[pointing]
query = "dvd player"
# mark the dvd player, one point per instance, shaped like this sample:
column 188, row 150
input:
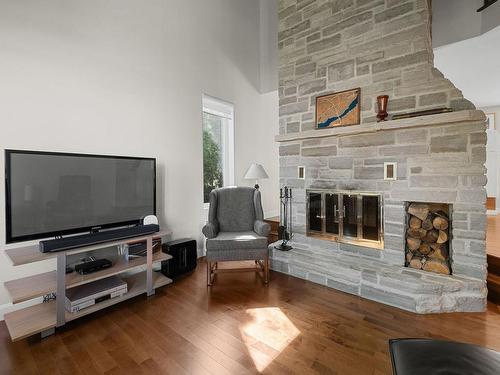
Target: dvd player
column 81, row 297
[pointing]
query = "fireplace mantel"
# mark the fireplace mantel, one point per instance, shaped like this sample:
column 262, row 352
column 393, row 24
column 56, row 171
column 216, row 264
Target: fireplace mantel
column 440, row 119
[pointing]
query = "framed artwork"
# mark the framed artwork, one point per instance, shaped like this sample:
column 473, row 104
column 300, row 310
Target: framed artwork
column 490, row 121
column 338, row 109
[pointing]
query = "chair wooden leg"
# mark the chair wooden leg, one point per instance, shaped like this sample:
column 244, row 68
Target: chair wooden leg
column 209, row 274
column 266, row 269
column 262, row 266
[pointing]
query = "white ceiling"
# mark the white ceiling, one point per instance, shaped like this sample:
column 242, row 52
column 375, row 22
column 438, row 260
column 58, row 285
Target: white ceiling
column 473, row 65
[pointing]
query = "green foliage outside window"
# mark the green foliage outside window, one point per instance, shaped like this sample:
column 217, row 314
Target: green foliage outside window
column 212, row 165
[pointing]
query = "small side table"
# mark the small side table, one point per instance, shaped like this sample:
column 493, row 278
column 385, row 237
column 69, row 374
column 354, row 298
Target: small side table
column 273, row 235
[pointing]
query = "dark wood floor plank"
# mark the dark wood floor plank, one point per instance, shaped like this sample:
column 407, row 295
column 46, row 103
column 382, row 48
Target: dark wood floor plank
column 91, row 337
column 15, row 356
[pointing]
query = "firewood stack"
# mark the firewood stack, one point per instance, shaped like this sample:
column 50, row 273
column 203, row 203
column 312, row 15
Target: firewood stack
column 427, row 239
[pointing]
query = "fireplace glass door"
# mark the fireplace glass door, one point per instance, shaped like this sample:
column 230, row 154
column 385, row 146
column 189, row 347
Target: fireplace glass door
column 332, row 213
column 346, row 216
column 371, row 217
column 350, row 213
column 315, row 213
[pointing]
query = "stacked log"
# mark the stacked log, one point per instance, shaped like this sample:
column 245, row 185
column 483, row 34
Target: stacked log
column 427, row 239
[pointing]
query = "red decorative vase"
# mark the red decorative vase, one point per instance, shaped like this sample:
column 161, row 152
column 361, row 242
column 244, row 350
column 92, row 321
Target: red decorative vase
column 382, row 101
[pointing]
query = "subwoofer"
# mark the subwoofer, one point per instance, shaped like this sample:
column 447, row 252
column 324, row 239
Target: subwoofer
column 184, row 257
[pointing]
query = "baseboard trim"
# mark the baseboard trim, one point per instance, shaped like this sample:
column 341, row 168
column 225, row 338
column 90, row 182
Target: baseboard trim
column 491, row 212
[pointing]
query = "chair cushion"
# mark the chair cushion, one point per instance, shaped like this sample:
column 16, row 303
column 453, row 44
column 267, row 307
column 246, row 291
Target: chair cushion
column 235, row 209
column 239, row 254
column 237, row 241
column 424, row 356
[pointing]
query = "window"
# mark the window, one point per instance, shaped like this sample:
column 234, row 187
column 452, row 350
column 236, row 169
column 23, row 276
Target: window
column 218, row 145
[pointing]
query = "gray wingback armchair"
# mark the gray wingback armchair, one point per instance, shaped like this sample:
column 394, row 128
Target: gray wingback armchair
column 236, row 230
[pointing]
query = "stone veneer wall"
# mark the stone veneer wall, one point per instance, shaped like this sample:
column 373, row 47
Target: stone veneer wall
column 384, row 48
column 438, row 163
column 381, row 46
column 441, row 162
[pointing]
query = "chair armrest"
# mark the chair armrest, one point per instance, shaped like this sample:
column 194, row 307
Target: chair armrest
column 210, row 230
column 261, row 228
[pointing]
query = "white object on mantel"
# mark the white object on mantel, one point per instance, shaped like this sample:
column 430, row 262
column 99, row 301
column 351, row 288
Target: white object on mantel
column 256, row 172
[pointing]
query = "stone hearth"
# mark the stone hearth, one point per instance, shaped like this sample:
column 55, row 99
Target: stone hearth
column 383, row 47
column 363, row 272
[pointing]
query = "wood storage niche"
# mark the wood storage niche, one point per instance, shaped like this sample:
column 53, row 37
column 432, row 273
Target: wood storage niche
column 428, row 228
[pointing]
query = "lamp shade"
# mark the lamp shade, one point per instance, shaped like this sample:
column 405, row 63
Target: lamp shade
column 256, row 172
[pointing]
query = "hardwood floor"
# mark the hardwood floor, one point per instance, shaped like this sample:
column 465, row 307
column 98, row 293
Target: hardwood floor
column 239, row 326
column 491, row 203
column 493, row 236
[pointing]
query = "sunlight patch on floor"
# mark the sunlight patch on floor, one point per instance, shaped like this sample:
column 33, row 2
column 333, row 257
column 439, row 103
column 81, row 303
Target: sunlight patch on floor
column 266, row 334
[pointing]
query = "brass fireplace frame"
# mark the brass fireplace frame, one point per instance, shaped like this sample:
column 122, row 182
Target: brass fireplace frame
column 340, row 237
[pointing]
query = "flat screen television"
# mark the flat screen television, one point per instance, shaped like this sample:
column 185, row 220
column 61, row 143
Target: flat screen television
column 50, row 194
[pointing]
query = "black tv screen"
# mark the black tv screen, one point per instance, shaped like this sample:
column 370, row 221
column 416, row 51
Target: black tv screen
column 53, row 194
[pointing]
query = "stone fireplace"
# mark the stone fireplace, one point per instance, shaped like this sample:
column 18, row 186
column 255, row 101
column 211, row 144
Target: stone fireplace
column 352, row 222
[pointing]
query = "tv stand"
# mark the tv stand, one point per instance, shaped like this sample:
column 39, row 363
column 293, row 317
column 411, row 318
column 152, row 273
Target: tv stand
column 45, row 317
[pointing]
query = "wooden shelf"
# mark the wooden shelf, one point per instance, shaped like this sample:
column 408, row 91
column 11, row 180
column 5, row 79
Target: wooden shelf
column 41, row 317
column 35, row 286
column 30, row 320
column 31, row 254
column 136, row 285
column 31, row 287
column 119, row 266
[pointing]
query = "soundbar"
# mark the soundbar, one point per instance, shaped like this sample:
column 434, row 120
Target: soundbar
column 72, row 242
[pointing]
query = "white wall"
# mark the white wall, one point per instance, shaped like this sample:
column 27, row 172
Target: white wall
column 456, row 20
column 126, row 77
column 490, row 18
column 472, row 65
column 493, row 155
column 268, row 45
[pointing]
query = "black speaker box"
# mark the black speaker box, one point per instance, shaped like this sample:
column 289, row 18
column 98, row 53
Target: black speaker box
column 184, row 257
